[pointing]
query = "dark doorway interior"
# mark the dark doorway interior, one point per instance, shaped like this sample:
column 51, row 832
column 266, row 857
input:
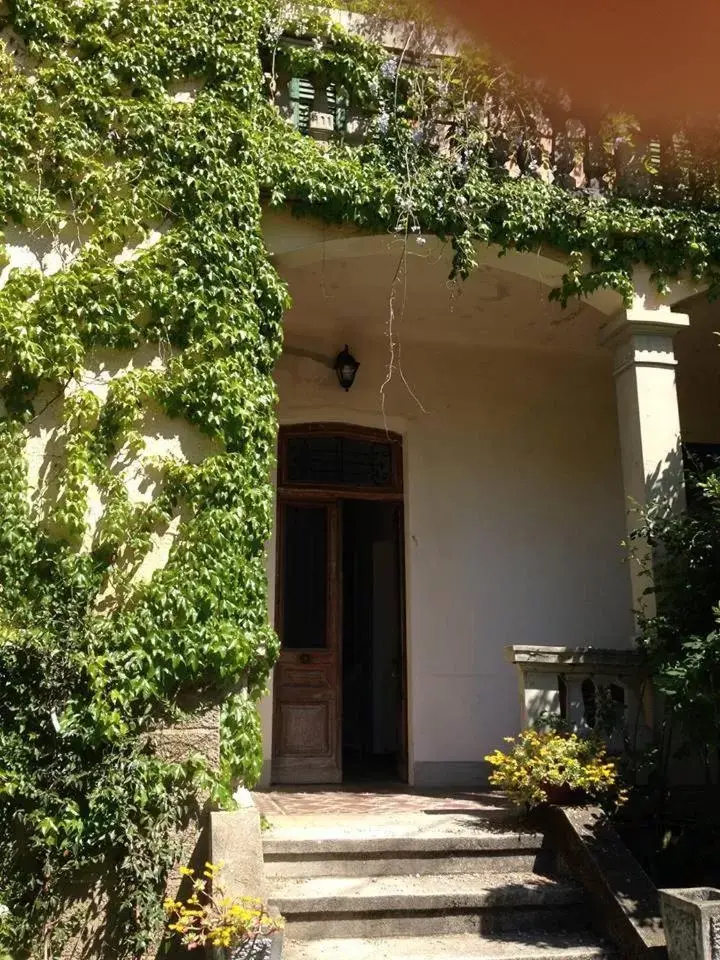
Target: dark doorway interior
column 372, row 644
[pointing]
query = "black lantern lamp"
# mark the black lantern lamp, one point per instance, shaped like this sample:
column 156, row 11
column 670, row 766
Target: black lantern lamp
column 346, row 366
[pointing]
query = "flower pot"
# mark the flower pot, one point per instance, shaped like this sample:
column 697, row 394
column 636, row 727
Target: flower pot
column 691, row 918
column 562, row 795
column 262, row 948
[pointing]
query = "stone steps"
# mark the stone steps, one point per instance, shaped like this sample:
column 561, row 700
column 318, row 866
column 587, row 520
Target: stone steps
column 418, row 885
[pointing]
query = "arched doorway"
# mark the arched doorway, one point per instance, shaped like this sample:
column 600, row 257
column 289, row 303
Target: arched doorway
column 339, row 697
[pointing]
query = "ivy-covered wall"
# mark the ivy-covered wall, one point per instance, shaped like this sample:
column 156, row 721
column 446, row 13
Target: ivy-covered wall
column 137, row 141
column 103, row 151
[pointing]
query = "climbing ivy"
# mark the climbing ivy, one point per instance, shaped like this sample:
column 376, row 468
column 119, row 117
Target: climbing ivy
column 157, row 198
column 138, row 141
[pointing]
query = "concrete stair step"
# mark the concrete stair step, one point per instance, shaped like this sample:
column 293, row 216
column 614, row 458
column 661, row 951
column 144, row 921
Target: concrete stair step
column 432, row 850
column 396, row 863
column 276, row 844
column 427, row 892
column 405, row 905
column 542, row 946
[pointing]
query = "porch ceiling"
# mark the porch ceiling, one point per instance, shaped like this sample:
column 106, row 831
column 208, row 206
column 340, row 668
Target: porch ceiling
column 342, row 298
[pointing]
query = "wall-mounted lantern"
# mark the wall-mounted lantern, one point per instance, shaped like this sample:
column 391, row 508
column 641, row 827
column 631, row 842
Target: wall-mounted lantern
column 346, row 366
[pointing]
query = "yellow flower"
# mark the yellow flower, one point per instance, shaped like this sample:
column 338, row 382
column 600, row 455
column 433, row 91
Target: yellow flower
column 221, row 921
column 538, row 758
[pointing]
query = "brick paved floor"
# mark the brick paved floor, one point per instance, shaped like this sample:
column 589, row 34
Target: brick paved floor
column 298, row 801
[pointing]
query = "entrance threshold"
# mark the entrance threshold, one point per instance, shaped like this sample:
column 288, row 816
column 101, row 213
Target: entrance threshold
column 373, row 799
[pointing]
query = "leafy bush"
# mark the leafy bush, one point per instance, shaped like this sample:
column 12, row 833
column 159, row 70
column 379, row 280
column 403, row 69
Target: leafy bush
column 539, row 760
column 682, row 638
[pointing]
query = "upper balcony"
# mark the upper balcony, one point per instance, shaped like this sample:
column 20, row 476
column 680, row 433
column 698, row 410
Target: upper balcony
column 522, row 128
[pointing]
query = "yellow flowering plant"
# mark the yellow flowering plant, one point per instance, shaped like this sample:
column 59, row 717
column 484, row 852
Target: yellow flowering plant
column 539, row 761
column 211, row 918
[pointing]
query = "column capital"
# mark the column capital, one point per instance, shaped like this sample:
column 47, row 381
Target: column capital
column 643, row 338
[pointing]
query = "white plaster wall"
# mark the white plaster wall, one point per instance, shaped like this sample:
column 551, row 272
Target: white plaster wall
column 514, row 517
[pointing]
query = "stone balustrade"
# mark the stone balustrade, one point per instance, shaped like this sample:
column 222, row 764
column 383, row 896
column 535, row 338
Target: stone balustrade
column 582, row 685
column 541, row 136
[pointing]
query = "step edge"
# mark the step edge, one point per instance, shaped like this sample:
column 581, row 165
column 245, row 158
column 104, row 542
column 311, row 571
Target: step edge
column 540, row 953
column 277, row 846
column 420, row 903
column 528, row 882
column 560, row 954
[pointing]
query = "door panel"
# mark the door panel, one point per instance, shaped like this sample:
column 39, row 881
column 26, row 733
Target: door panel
column 305, row 729
column 306, row 742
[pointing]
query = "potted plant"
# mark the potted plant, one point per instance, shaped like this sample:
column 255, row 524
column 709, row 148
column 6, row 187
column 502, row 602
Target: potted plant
column 234, row 928
column 551, row 767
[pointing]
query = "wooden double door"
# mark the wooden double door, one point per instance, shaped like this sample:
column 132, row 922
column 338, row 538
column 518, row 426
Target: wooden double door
column 339, row 689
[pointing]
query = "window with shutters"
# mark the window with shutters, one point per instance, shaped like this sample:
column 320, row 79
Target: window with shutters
column 319, row 111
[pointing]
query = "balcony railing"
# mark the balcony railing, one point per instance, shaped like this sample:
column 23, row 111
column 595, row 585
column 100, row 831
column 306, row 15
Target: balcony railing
column 531, row 135
column 590, row 688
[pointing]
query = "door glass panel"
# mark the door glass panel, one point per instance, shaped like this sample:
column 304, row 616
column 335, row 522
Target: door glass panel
column 339, row 461
column 366, row 464
column 305, row 577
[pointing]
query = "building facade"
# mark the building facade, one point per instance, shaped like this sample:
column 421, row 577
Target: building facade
column 471, row 491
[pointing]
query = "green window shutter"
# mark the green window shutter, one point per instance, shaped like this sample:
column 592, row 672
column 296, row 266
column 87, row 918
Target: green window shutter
column 654, row 156
column 338, row 104
column 302, row 95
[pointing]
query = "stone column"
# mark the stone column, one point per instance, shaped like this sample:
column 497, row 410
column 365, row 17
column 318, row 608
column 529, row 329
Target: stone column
column 649, row 421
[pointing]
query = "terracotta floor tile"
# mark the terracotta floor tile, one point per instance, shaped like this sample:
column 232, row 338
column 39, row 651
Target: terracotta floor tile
column 296, row 801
